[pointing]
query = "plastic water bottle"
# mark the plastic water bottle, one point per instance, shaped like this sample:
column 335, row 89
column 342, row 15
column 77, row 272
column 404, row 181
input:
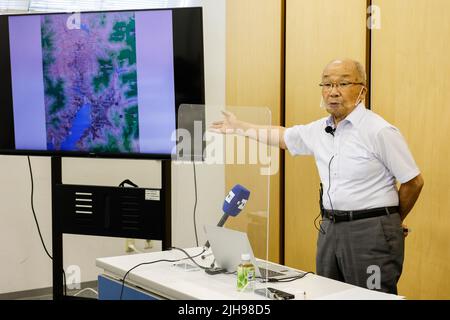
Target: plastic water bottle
column 246, row 274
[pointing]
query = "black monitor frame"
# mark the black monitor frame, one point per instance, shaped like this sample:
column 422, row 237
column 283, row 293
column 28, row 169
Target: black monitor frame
column 188, row 75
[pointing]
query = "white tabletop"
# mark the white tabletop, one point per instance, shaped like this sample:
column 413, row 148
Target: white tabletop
column 173, row 282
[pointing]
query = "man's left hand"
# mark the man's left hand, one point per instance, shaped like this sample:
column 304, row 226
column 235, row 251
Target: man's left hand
column 406, row 230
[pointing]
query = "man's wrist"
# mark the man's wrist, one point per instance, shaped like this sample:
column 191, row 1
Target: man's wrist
column 244, row 126
column 403, row 214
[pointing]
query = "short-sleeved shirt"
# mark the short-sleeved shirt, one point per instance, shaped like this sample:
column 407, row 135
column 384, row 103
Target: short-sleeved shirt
column 358, row 165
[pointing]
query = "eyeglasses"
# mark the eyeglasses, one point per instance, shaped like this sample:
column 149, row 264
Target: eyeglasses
column 328, row 86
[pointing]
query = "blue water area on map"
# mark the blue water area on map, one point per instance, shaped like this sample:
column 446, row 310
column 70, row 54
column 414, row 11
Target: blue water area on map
column 80, row 123
column 85, row 27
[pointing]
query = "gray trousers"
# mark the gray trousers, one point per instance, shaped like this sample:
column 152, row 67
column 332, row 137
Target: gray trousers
column 367, row 253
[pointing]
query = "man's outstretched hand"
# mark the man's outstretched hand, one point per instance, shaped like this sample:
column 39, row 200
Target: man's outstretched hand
column 227, row 125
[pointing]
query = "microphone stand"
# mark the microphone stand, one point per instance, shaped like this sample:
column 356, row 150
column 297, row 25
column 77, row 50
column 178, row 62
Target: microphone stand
column 204, row 256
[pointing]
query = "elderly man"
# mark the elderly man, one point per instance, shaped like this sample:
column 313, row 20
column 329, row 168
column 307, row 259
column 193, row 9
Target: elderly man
column 360, row 157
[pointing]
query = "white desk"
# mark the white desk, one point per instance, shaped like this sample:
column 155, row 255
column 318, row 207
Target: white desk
column 165, row 280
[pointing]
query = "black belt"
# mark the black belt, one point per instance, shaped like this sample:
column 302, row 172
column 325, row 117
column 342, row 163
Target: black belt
column 341, row 216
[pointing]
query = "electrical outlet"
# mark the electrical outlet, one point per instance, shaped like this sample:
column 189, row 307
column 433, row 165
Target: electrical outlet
column 129, row 244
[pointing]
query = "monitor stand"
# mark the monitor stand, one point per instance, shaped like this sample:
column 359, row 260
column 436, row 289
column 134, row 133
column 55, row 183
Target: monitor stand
column 63, row 222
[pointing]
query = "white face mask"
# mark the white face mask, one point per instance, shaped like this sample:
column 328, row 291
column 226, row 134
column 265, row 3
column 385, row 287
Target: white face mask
column 323, row 105
column 358, row 101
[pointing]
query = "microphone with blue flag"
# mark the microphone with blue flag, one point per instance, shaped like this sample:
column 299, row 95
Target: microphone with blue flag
column 234, row 202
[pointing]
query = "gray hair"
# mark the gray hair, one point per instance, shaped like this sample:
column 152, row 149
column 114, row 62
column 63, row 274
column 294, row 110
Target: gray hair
column 361, row 72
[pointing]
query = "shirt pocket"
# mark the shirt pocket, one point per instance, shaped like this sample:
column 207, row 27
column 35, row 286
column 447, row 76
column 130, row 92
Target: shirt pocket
column 359, row 164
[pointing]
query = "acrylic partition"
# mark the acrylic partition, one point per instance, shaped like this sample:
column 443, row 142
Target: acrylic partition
column 228, row 147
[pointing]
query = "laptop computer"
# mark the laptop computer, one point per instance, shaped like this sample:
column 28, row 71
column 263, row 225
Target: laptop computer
column 227, row 246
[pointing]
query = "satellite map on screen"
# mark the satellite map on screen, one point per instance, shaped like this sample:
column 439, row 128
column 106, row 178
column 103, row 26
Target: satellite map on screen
column 90, row 82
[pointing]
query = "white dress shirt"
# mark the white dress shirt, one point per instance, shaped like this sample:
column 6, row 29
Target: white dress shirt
column 360, row 163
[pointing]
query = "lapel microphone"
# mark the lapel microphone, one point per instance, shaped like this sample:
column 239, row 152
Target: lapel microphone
column 330, row 130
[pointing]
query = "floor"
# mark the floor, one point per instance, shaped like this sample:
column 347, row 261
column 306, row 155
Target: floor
column 87, row 291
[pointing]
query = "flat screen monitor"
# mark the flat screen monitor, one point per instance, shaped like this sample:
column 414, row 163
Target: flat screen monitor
column 98, row 84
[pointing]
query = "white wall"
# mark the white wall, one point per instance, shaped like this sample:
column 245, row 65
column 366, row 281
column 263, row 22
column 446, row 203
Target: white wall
column 24, row 265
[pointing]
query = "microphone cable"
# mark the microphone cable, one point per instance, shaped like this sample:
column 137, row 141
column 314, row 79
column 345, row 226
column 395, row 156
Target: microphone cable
column 129, row 182
column 37, row 223
column 329, row 198
column 290, row 279
column 195, row 204
column 329, row 183
column 320, row 229
column 331, row 131
column 163, row 260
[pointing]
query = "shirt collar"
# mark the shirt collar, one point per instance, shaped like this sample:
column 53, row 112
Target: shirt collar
column 354, row 117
